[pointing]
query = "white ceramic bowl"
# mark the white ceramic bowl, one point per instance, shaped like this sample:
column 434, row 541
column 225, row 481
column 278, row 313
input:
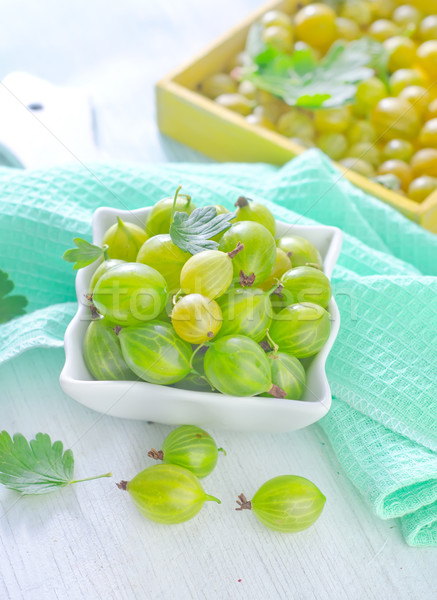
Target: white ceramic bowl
column 149, row 402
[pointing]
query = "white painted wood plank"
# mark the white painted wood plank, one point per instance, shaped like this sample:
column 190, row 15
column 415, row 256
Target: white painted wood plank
column 90, row 542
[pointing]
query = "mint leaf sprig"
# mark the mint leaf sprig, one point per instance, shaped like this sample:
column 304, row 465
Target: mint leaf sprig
column 84, row 254
column 36, row 467
column 10, row 306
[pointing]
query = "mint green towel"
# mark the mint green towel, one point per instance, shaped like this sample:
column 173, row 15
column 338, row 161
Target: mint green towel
column 383, row 367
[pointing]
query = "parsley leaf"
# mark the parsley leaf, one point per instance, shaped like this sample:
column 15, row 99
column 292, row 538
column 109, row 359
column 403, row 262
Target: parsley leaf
column 84, row 254
column 389, row 181
column 300, row 80
column 192, row 233
column 37, row 467
column 10, row 306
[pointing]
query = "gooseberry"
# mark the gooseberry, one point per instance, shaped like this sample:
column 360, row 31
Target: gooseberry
column 305, row 284
column 236, row 365
column 155, row 353
column 130, row 293
column 102, row 353
column 196, row 319
column 189, row 447
column 209, row 272
column 167, row 494
column 159, row 217
column 300, row 250
column 247, row 210
column 301, row 329
column 287, row 503
column 257, row 260
column 163, row 255
column 124, row 239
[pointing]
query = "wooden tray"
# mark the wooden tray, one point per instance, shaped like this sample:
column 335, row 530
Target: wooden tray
column 194, row 120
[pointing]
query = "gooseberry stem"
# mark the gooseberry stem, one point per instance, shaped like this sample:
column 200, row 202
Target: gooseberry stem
column 93, row 309
column 91, row 478
column 194, row 354
column 247, row 280
column 212, row 498
column 222, row 450
column 314, row 265
column 277, row 392
column 271, row 342
column 243, row 503
column 239, row 247
column 242, row 202
column 156, row 454
column 276, row 289
column 176, row 297
column 173, row 208
column 265, row 346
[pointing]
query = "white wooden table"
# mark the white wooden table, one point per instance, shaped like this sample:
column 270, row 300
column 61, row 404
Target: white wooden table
column 88, row 541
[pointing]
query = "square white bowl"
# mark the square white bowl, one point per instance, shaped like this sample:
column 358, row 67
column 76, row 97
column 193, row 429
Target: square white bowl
column 172, row 406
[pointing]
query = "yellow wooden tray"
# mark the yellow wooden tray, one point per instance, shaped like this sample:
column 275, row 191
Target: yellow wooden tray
column 192, row 119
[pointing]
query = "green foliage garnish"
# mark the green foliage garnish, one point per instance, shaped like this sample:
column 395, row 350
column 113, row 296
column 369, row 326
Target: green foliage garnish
column 193, row 233
column 300, row 80
column 84, row 254
column 389, row 181
column 10, row 306
column 37, row 467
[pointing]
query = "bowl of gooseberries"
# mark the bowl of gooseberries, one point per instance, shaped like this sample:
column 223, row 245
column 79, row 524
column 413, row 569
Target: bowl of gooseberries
column 213, row 316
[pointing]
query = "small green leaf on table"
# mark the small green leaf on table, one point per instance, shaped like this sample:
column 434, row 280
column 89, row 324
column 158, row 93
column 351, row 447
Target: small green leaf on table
column 35, row 467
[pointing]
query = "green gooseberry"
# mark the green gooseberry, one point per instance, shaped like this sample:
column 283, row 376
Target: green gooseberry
column 245, row 311
column 236, row 365
column 248, row 210
column 287, row 503
column 130, row 293
column 163, row 255
column 190, row 447
column 255, row 263
column 102, row 353
column 167, row 494
column 288, row 374
column 301, row 329
column 124, row 239
column 155, row 353
column 101, row 269
column 300, row 251
column 306, row 284
column 159, row 217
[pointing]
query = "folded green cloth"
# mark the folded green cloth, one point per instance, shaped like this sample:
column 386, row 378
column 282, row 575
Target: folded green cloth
column 382, row 369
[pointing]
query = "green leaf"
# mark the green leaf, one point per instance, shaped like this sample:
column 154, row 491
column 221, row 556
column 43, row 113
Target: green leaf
column 254, row 42
column 389, row 181
column 302, row 81
column 37, row 467
column 84, row 254
column 193, row 233
column 304, row 61
column 34, row 468
column 10, row 306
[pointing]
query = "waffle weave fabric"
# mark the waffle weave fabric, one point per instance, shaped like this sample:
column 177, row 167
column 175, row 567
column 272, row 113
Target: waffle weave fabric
column 383, row 367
